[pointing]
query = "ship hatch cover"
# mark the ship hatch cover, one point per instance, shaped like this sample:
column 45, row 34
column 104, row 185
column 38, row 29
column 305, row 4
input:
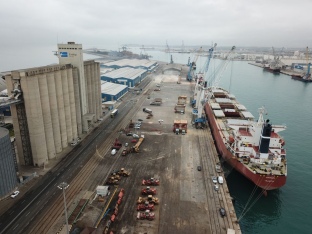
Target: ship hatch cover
column 218, row 113
column 247, row 114
column 223, row 100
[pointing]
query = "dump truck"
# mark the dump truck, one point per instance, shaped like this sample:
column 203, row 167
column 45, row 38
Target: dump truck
column 146, row 110
column 180, row 127
column 179, row 108
column 182, row 99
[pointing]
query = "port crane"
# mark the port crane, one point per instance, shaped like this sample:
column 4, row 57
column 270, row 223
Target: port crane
column 168, row 50
column 307, row 75
column 192, row 65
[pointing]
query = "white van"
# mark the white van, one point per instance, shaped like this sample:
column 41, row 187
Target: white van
column 220, row 179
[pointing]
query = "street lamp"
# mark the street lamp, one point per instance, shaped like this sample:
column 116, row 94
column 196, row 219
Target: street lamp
column 64, row 186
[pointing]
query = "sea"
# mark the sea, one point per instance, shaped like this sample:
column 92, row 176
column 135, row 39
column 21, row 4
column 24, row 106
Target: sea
column 287, row 101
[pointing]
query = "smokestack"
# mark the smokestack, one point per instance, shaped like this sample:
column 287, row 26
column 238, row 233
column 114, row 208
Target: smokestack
column 265, row 137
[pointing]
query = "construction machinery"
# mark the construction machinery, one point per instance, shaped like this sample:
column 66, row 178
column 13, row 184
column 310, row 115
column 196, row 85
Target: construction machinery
column 117, row 144
column 145, row 206
column 151, row 181
column 137, row 145
column 112, row 181
column 148, row 191
column 123, row 172
column 179, row 108
column 180, row 126
column 156, row 102
column 146, row 215
column 150, row 199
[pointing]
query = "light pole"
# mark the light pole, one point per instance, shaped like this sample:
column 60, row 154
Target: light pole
column 64, row 186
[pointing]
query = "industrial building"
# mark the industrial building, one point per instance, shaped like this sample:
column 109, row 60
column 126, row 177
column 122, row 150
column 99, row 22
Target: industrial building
column 126, row 76
column 111, row 91
column 8, row 175
column 132, row 63
column 54, row 104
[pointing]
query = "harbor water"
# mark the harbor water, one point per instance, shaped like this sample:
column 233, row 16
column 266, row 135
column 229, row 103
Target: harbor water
column 287, row 101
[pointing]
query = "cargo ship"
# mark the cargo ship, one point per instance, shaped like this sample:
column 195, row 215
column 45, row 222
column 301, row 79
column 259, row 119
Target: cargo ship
column 253, row 148
column 303, row 78
column 272, row 68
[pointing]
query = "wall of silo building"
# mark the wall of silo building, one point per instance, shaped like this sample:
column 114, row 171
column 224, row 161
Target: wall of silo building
column 87, row 76
column 93, row 89
column 97, row 91
column 77, row 100
column 8, row 178
column 55, row 118
column 30, row 87
column 71, row 95
column 46, row 112
column 64, row 93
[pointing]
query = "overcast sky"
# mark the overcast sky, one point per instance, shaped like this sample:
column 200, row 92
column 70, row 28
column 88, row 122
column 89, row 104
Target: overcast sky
column 102, row 23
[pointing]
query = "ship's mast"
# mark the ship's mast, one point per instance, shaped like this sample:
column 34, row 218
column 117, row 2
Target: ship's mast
column 261, row 111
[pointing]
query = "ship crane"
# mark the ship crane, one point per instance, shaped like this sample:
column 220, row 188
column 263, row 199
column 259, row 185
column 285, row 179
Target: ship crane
column 198, row 80
column 192, row 65
column 215, row 78
column 204, row 94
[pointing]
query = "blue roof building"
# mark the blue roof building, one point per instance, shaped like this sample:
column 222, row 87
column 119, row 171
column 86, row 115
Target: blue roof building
column 126, row 76
column 112, row 91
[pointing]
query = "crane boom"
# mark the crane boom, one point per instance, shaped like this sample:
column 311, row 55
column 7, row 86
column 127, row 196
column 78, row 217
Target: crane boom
column 192, row 67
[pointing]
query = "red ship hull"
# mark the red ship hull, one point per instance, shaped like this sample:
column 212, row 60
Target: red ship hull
column 275, row 71
column 266, row 182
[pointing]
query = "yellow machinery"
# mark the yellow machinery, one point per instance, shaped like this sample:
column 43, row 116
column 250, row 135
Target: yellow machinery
column 137, row 145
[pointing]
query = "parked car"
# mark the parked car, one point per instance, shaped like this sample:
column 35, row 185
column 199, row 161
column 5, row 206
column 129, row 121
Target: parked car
column 135, row 136
column 220, row 179
column 222, row 212
column 126, row 144
column 14, row 194
column 129, row 134
column 214, row 179
column 216, row 187
column 141, row 120
column 199, row 168
column 73, row 143
column 114, row 151
column 137, row 127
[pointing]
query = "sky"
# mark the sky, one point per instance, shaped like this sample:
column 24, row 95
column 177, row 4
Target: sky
column 33, row 27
